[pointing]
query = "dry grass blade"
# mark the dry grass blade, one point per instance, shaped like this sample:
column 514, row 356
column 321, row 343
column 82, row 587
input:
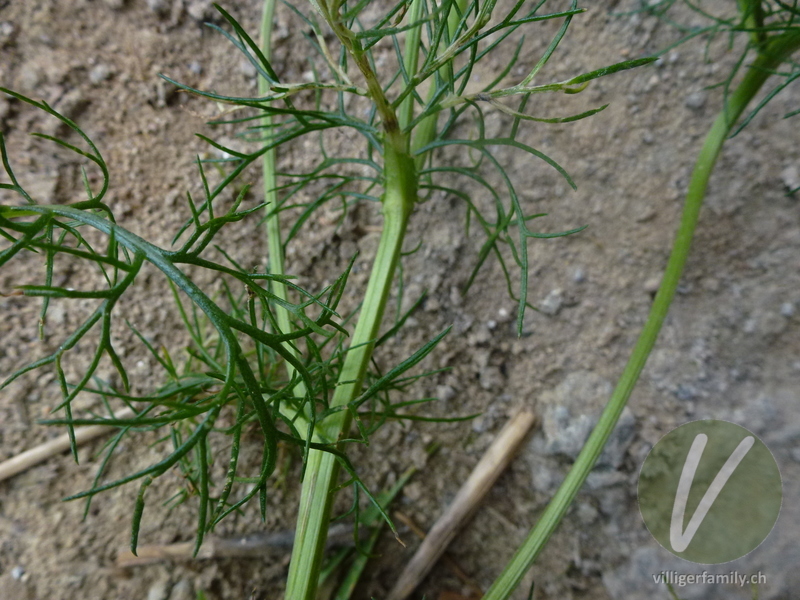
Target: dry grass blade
column 466, row 502
column 42, row 452
column 254, row 545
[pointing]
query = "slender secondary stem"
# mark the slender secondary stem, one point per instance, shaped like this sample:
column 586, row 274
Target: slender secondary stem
column 275, row 247
column 425, row 131
column 273, row 223
column 769, row 58
column 753, row 18
column 405, row 112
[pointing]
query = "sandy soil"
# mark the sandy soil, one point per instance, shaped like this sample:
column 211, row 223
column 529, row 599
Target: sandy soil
column 729, row 348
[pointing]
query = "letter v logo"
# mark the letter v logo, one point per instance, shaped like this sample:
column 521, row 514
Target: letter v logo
column 678, row 538
column 710, row 491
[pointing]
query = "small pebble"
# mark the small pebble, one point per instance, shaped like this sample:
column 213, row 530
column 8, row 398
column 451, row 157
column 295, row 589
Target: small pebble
column 750, row 325
column 504, row 315
column 795, row 452
column 552, row 303
column 711, row 284
column 159, row 590
column 787, row 310
column 247, row 69
column 696, row 100
column 6, row 29
column 586, row 513
column 620, row 440
column 31, row 77
column 99, row 73
column 491, row 324
column 160, row 7
column 790, row 177
column 564, row 433
column 491, row 378
column 579, row 276
column 651, row 285
column 545, row 479
column 17, row 573
column 199, row 9
column 72, row 104
column 164, row 91
column 456, row 298
column 195, row 67
column 599, row 479
column 432, row 304
column 182, row 591
column 445, row 392
column 686, row 392
column 648, row 213
column 481, row 424
column 413, row 491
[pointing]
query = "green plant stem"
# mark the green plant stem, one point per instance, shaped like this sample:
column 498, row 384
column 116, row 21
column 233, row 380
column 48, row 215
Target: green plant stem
column 771, row 56
column 273, row 223
column 322, row 468
column 411, row 61
column 275, row 247
column 425, row 132
column 753, row 18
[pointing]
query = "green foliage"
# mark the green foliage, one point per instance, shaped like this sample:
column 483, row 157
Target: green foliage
column 223, row 371
column 773, row 37
column 761, row 23
column 256, row 357
column 451, row 56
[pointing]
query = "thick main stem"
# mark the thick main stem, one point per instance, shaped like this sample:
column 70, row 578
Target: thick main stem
column 322, row 468
column 771, row 56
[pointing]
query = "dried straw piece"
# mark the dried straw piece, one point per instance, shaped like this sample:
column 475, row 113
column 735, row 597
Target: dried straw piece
column 42, row 452
column 466, row 502
column 254, row 545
